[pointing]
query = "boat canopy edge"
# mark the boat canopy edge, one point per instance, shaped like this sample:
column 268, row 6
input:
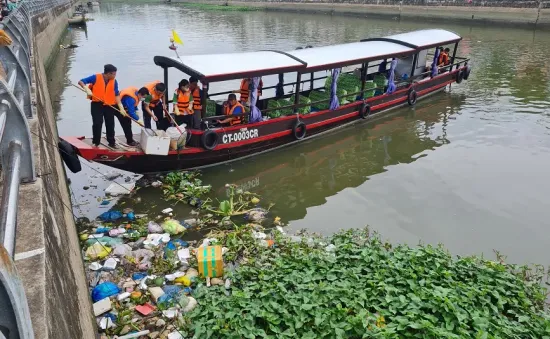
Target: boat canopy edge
column 423, row 39
column 228, row 66
column 167, row 62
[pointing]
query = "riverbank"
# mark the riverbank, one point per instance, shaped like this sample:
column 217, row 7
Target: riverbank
column 147, row 277
column 532, row 17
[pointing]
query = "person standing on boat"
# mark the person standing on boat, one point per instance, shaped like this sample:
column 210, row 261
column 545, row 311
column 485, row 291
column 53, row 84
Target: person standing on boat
column 443, row 57
column 244, row 90
column 231, row 108
column 183, row 104
column 153, row 106
column 196, row 94
column 102, row 89
column 130, row 98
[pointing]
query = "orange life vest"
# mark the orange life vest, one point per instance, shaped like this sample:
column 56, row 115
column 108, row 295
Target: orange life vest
column 183, row 101
column 443, row 59
column 130, row 92
column 105, row 92
column 245, row 92
column 155, row 98
column 229, row 112
column 197, row 100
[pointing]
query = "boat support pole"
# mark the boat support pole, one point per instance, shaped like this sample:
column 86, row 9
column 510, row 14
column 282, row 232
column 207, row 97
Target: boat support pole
column 453, row 58
column 415, row 60
column 297, row 91
column 364, row 68
column 165, row 69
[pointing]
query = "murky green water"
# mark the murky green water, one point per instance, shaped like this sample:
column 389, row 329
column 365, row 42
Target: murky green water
column 468, row 168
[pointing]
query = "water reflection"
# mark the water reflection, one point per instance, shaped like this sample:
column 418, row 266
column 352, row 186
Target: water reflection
column 304, row 176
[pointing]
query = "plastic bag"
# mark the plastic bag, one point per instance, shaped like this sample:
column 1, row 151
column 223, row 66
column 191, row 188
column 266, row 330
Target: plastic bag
column 156, row 239
column 104, row 290
column 97, row 251
column 108, row 241
column 143, row 257
column 122, row 250
column 153, row 227
column 173, row 291
column 177, row 139
column 173, row 227
column 111, row 216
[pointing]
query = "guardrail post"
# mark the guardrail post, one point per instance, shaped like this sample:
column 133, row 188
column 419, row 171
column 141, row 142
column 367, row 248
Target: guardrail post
column 10, row 197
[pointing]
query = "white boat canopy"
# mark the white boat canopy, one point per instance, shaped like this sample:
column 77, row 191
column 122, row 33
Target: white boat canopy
column 426, row 38
column 327, row 57
column 219, row 67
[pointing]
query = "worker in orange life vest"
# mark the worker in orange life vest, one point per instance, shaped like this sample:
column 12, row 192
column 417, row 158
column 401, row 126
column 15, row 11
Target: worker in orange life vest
column 153, row 106
column 130, row 98
column 102, row 89
column 231, row 108
column 443, row 59
column 244, row 90
column 183, row 104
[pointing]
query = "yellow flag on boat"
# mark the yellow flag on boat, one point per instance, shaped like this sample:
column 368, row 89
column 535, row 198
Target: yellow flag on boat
column 176, row 37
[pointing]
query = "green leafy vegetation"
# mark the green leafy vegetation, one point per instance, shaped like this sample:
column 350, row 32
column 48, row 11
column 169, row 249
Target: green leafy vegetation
column 364, row 288
column 184, row 187
column 318, row 96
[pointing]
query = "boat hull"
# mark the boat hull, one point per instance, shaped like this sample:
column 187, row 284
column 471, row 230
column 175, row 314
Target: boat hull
column 242, row 141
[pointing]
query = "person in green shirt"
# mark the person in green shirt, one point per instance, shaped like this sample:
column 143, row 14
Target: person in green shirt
column 183, row 104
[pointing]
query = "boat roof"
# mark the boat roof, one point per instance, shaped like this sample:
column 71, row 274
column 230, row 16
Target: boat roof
column 219, row 67
column 421, row 39
column 327, row 57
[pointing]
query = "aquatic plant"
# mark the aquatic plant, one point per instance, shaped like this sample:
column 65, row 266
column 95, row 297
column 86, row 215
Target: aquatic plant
column 184, row 187
column 362, row 287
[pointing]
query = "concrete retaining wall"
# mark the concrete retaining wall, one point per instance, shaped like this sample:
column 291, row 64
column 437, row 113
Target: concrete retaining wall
column 538, row 16
column 48, row 255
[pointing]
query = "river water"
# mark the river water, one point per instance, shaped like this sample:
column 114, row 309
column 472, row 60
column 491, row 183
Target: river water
column 467, row 168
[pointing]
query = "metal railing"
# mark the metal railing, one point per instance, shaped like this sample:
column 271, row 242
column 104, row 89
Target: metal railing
column 17, row 156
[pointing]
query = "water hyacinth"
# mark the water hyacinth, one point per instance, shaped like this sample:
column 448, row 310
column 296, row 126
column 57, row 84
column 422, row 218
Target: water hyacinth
column 364, row 288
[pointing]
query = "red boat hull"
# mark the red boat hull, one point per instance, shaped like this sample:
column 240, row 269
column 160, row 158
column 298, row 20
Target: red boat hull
column 244, row 140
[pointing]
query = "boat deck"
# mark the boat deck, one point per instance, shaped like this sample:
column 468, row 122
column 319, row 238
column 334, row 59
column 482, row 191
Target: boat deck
column 123, row 147
column 121, row 142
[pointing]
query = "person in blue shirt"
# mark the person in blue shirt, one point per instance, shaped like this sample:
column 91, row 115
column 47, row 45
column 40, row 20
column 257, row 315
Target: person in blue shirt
column 102, row 90
column 130, row 98
column 233, row 109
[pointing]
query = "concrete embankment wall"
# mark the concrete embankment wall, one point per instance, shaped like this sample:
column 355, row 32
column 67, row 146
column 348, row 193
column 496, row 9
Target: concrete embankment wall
column 526, row 13
column 48, row 255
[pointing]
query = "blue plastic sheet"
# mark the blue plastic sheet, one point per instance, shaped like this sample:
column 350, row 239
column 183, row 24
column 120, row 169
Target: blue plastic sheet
column 173, row 291
column 111, row 216
column 104, row 290
column 434, row 62
column 138, row 276
column 391, row 83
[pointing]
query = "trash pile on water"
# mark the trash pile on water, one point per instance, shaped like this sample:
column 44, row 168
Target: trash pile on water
column 141, row 271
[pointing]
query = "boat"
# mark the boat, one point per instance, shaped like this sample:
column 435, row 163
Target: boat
column 77, row 20
column 383, row 58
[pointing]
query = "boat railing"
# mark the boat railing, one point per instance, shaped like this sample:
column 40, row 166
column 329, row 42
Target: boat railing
column 16, row 111
column 293, row 106
column 285, row 85
column 360, row 93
